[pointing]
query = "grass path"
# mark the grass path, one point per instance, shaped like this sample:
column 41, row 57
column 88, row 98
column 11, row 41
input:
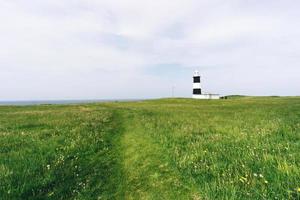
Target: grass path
column 148, row 172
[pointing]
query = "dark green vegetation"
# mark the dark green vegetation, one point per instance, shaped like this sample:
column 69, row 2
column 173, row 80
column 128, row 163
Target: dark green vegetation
column 240, row 148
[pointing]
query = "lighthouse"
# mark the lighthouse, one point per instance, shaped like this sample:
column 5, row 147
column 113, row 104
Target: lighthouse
column 196, row 85
column 197, row 90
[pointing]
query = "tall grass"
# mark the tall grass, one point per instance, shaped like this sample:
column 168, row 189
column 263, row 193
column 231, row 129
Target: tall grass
column 239, row 148
column 57, row 152
column 232, row 149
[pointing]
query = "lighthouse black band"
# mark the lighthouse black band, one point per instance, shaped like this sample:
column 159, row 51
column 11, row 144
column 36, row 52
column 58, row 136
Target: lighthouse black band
column 196, row 91
column 196, row 79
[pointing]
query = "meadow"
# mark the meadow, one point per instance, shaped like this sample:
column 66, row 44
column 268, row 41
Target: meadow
column 236, row 148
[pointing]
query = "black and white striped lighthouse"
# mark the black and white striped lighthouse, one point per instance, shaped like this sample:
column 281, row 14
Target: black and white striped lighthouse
column 196, row 85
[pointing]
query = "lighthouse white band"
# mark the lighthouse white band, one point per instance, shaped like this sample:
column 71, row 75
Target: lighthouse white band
column 196, row 85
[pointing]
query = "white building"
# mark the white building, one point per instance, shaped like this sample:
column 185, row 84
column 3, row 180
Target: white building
column 197, row 89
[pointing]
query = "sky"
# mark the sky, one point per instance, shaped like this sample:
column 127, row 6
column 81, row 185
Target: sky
column 120, row 49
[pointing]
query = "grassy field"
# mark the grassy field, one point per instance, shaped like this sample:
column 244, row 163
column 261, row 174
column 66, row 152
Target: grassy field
column 239, row 148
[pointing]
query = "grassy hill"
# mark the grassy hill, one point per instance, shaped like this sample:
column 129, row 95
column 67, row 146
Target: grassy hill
column 239, row 148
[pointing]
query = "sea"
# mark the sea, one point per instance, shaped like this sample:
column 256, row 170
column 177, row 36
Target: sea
column 43, row 102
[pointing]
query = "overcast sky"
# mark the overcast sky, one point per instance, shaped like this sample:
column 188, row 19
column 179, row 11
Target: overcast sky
column 104, row 49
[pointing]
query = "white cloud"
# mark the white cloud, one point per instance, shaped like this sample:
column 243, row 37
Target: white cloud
column 104, row 49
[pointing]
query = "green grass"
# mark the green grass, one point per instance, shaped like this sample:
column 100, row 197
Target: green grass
column 239, row 148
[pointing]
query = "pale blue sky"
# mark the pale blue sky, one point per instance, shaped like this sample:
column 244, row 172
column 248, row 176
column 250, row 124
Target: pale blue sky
column 91, row 49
